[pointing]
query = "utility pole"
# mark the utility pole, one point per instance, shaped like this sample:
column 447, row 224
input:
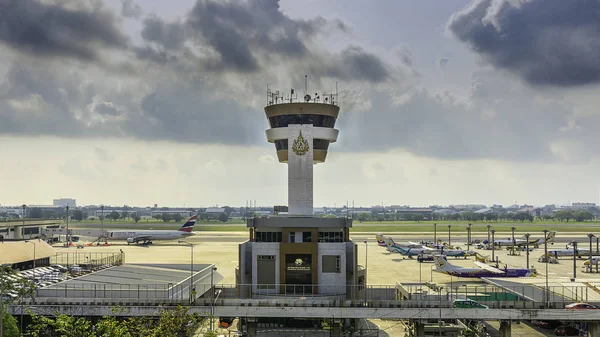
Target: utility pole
column 68, row 236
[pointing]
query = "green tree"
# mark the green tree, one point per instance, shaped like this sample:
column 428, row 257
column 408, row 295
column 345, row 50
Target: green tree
column 177, row 217
column 124, row 215
column 77, row 215
column 136, row 217
column 114, row 215
column 9, row 325
column 35, row 213
column 59, row 326
column 582, row 216
column 364, row 216
column 223, row 217
column 418, row 217
column 564, row 215
column 166, row 217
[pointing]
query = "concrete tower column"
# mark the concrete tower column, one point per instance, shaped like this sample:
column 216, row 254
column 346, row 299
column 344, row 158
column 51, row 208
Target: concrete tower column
column 504, row 330
column 594, row 329
column 300, row 169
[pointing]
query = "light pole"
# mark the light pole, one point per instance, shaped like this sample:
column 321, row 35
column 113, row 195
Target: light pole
column 435, row 233
column 33, row 243
column 547, row 297
column 468, row 237
column 431, row 273
column 23, row 228
column 488, row 227
column 469, row 234
column 191, row 269
column 512, row 229
column 449, row 237
column 574, row 243
column 527, row 248
column 493, row 245
column 102, row 220
column 366, row 256
column 68, row 236
column 590, row 235
column 212, row 299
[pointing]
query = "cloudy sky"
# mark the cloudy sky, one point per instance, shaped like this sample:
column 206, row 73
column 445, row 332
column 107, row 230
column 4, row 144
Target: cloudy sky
column 443, row 102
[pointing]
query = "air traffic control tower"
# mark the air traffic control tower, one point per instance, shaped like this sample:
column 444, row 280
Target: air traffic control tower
column 294, row 253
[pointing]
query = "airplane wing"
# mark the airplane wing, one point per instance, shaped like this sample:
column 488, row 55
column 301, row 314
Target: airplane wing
column 488, row 267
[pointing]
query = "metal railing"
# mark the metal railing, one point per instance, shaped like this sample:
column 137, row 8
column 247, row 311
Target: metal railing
column 401, row 296
column 91, row 259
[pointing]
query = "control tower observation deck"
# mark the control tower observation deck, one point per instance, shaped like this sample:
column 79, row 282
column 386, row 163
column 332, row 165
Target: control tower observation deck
column 301, row 132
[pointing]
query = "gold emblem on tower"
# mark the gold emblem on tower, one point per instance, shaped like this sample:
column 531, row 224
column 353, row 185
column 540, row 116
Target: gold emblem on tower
column 300, row 146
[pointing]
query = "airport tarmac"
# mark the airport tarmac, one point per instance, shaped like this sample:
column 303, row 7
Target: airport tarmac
column 384, row 268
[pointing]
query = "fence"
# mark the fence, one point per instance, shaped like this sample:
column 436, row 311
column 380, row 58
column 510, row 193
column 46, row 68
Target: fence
column 373, row 296
column 88, row 259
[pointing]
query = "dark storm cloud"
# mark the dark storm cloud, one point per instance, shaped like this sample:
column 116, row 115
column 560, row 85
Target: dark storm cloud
column 353, row 63
column 243, row 32
column 48, row 30
column 169, row 35
column 130, row 9
column 188, row 114
column 41, row 102
column 546, row 42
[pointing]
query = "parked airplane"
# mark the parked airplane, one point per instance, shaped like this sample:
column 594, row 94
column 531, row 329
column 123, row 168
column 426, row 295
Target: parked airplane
column 523, row 242
column 146, row 236
column 415, row 250
column 380, row 240
column 569, row 252
column 483, row 270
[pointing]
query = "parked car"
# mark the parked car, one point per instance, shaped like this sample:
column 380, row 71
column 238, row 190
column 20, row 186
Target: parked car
column 577, row 306
column 462, row 303
column 59, row 268
column 547, row 324
column 566, row 330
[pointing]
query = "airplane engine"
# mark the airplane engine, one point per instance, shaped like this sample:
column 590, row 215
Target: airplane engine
column 130, row 240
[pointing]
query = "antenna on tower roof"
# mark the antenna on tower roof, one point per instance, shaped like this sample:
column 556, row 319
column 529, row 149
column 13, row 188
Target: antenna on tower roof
column 306, row 84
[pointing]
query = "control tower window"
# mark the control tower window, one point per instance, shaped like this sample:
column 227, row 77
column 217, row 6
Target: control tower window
column 283, row 121
column 306, row 236
column 268, row 236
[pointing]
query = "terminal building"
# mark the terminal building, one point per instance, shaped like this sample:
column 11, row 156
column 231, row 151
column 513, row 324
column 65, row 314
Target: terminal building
column 294, row 253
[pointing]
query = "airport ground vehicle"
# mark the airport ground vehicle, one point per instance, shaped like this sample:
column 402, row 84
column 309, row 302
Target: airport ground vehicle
column 566, row 330
column 579, row 306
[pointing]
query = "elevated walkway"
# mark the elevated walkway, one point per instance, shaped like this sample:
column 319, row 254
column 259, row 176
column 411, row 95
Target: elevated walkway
column 250, row 309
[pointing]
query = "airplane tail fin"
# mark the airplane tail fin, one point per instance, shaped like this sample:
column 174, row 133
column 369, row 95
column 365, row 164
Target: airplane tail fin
column 189, row 225
column 440, row 263
column 550, row 237
column 389, row 241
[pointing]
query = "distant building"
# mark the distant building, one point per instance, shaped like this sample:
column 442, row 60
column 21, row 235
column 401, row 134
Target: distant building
column 182, row 212
column 583, row 205
column 72, row 203
column 215, row 210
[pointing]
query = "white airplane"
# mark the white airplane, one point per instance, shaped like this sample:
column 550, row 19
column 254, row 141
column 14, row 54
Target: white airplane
column 146, row 236
column 569, row 252
column 523, row 242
